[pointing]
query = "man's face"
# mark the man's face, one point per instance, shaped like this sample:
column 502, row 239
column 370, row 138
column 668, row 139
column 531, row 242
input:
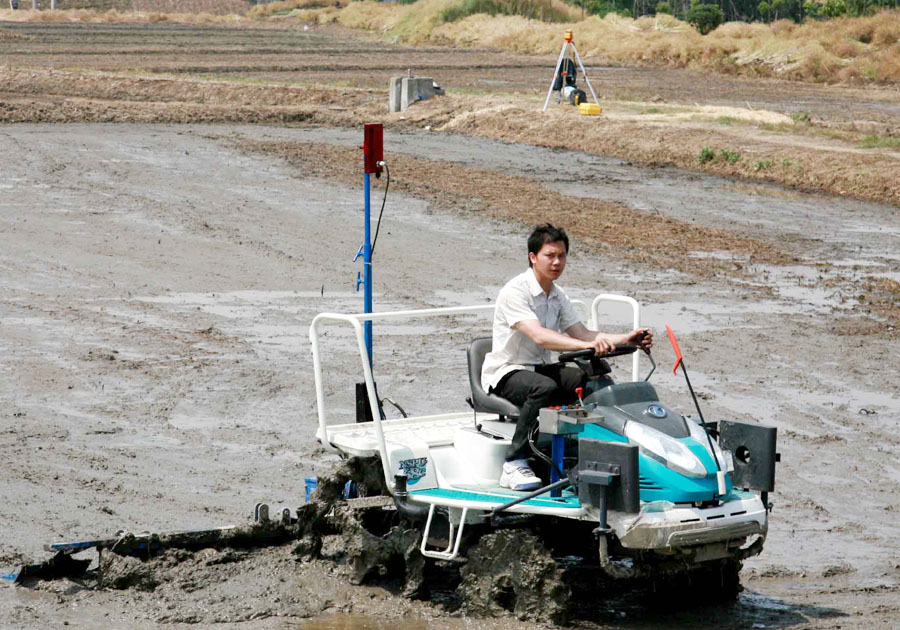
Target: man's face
column 550, row 261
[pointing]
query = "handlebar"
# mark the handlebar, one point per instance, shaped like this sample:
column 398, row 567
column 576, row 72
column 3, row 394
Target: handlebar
column 618, row 351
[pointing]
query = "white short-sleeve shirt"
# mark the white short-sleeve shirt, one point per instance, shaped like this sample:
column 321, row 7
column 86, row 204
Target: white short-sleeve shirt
column 522, row 298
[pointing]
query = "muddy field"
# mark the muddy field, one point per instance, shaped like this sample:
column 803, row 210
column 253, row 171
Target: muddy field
column 158, row 282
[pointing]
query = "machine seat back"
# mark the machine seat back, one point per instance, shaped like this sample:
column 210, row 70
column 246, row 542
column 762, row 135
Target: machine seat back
column 481, row 400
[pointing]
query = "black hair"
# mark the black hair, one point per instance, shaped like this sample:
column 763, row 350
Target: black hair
column 543, row 234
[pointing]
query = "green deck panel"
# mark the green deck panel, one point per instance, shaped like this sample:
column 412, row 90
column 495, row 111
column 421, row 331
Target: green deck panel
column 498, row 495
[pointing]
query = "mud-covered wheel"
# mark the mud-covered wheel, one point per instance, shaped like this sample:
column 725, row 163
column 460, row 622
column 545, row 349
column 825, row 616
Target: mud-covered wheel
column 511, row 571
column 714, row 583
column 724, row 580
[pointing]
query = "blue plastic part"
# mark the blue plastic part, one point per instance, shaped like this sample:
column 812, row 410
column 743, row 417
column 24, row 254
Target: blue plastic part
column 702, row 454
column 351, row 490
column 660, row 483
column 557, row 451
column 596, row 432
column 311, row 484
column 12, row 577
column 568, row 500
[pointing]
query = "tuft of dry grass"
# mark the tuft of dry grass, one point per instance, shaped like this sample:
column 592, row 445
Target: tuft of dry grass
column 293, row 6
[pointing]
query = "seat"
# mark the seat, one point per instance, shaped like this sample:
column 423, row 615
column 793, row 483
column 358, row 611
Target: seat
column 481, row 400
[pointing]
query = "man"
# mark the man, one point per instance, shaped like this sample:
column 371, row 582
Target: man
column 531, row 311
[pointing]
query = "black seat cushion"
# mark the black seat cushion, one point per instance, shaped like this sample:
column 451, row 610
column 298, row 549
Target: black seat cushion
column 481, row 400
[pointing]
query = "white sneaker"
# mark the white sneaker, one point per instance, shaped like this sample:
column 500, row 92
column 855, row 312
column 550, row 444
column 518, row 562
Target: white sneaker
column 517, row 475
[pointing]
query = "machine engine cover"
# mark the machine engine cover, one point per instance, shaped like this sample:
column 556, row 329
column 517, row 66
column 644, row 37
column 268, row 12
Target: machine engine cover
column 753, row 447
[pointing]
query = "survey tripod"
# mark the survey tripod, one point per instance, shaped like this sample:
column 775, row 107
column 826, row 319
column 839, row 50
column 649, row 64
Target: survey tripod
column 560, row 74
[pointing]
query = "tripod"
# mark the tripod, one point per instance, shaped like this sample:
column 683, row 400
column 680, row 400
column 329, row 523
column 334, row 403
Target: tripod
column 560, row 74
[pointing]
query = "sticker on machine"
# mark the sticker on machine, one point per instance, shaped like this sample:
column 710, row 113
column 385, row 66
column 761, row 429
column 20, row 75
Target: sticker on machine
column 414, row 469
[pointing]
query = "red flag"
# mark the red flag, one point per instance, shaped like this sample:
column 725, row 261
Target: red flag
column 675, row 348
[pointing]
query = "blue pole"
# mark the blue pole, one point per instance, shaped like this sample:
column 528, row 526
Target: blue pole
column 367, row 268
column 557, row 451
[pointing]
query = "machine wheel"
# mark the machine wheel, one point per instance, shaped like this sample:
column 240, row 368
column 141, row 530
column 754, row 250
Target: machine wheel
column 716, row 582
column 510, row 571
column 724, row 580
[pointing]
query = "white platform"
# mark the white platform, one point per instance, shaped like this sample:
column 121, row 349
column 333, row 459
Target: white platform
column 360, row 439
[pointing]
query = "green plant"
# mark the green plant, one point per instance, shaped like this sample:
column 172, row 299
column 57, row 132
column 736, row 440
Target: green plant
column 706, row 155
column 785, row 162
column 800, row 117
column 663, row 7
column 763, row 165
column 730, row 156
column 880, row 142
column 704, row 17
column 726, row 120
column 834, row 8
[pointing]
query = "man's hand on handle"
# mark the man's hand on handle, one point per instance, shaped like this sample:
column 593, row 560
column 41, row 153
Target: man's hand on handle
column 604, row 343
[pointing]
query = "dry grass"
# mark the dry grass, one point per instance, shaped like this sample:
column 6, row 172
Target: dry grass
column 850, row 50
column 6, row 34
column 115, row 16
column 411, row 23
column 212, row 7
column 293, row 6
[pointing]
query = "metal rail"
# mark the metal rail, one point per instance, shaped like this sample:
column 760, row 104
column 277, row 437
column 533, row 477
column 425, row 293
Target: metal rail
column 635, row 323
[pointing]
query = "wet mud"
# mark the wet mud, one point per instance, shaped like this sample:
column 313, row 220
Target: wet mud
column 157, row 286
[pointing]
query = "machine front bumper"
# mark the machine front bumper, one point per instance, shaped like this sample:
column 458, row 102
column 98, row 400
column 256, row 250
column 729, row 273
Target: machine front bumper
column 662, row 527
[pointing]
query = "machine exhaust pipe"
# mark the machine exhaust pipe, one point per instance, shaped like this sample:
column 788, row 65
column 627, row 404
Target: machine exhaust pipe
column 439, row 534
column 413, row 511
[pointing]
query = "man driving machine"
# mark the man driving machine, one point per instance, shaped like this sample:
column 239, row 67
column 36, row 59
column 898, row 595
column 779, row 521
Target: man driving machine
column 533, row 317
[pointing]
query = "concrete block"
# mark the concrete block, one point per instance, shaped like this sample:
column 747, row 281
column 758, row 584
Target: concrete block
column 396, row 85
column 414, row 89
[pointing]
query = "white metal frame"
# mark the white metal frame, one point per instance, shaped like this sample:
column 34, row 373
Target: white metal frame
column 356, row 321
column 452, row 549
column 635, row 323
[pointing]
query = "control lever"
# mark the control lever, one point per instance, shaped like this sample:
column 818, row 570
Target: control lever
column 640, row 344
column 578, row 392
